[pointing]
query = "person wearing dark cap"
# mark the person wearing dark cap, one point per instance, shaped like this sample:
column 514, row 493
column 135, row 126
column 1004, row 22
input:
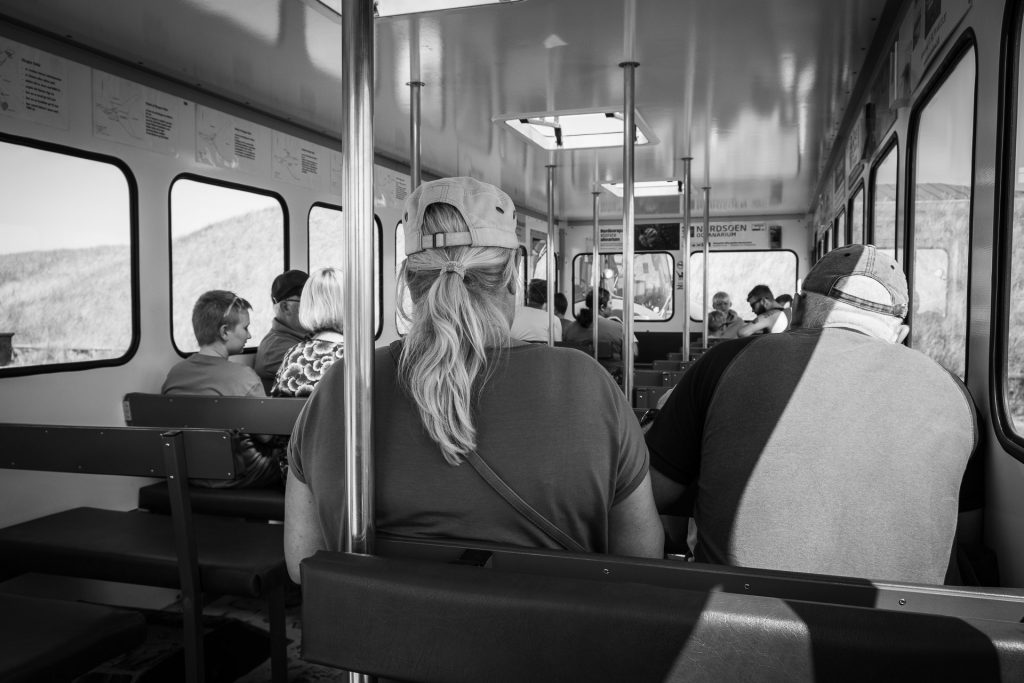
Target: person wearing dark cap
column 851, row 447
column 285, row 331
column 459, row 406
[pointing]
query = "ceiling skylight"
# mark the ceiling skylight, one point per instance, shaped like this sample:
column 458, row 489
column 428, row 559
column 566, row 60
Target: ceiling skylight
column 576, row 129
column 648, row 188
column 391, row 8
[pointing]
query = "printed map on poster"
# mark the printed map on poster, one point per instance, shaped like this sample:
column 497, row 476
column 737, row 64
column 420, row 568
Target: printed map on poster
column 133, row 114
column 296, row 161
column 230, row 142
column 33, row 85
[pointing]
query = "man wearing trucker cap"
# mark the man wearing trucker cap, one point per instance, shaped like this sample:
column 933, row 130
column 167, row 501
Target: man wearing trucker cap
column 830, row 448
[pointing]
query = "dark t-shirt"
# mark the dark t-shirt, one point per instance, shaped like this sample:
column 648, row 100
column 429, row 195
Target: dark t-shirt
column 823, row 451
column 549, row 421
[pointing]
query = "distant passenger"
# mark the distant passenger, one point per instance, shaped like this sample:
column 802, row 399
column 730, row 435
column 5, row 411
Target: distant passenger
column 220, row 320
column 771, row 317
column 459, row 388
column 580, row 332
column 717, row 327
column 531, row 321
column 851, row 446
column 561, row 308
column 785, row 300
column 285, row 331
column 721, row 301
column 320, row 311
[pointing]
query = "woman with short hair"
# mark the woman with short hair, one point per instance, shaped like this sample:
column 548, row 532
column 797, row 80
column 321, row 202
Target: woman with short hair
column 458, row 388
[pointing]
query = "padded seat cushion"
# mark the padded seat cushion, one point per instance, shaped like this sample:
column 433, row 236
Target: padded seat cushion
column 248, row 503
column 138, row 547
column 56, row 640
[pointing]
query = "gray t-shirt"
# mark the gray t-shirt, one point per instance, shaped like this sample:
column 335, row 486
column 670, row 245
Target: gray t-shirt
column 549, row 421
column 823, row 451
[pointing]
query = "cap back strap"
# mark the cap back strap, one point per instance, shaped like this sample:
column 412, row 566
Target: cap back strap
column 446, row 239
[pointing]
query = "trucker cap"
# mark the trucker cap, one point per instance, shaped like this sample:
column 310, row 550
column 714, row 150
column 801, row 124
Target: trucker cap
column 862, row 276
column 288, row 284
column 488, row 212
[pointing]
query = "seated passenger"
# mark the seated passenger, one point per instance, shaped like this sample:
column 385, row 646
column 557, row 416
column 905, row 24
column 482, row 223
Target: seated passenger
column 721, row 301
column 580, row 332
column 561, row 308
column 851, row 446
column 771, row 317
column 718, row 328
column 220, row 320
column 320, row 311
column 784, row 300
column 285, row 331
column 531, row 321
column 458, row 385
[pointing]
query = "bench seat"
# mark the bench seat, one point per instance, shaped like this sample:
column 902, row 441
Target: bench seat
column 56, row 640
column 259, row 504
column 138, row 547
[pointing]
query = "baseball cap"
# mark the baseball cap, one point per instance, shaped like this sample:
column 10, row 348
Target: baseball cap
column 287, row 284
column 489, row 213
column 862, row 276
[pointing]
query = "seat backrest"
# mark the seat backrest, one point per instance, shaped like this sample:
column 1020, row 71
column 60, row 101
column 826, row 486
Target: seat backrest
column 246, row 413
column 128, row 451
column 416, row 619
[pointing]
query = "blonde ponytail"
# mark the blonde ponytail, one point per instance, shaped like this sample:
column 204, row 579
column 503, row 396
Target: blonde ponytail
column 458, row 295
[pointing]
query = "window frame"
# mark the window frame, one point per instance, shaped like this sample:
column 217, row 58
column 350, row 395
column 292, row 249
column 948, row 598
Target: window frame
column 1002, row 239
column 862, row 191
column 891, row 144
column 644, row 321
column 796, row 261
column 133, row 252
column 963, row 45
column 286, row 235
column 379, row 225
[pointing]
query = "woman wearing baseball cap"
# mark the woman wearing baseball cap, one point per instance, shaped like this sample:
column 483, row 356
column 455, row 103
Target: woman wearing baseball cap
column 458, row 403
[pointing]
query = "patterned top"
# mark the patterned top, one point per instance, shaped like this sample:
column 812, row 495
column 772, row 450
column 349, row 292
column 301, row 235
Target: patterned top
column 304, row 365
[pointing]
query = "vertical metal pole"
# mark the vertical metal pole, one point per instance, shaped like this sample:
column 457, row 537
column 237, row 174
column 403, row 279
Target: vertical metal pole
column 628, row 141
column 686, row 256
column 415, row 165
column 550, row 275
column 707, row 243
column 595, row 271
column 357, row 222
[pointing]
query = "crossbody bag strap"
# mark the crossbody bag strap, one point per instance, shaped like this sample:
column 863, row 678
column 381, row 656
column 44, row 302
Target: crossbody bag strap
column 521, row 506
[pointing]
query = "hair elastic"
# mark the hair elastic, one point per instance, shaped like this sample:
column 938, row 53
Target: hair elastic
column 454, row 267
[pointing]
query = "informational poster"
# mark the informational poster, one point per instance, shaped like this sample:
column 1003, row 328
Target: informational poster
column 855, row 149
column 297, row 161
column 133, row 114
column 337, row 160
column 611, row 238
column 33, row 85
column 227, row 141
column 927, row 26
column 738, row 235
column 390, row 188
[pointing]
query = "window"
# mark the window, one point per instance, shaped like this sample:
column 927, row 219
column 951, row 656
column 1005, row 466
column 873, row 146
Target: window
column 738, row 272
column 653, row 284
column 839, row 233
column 66, row 259
column 223, row 237
column 326, row 249
column 405, row 305
column 857, row 216
column 1012, row 357
column 941, row 223
column 883, row 204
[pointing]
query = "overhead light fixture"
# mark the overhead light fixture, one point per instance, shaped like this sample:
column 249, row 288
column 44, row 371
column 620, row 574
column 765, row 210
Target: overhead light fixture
column 648, row 188
column 392, row 8
column 576, row 129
